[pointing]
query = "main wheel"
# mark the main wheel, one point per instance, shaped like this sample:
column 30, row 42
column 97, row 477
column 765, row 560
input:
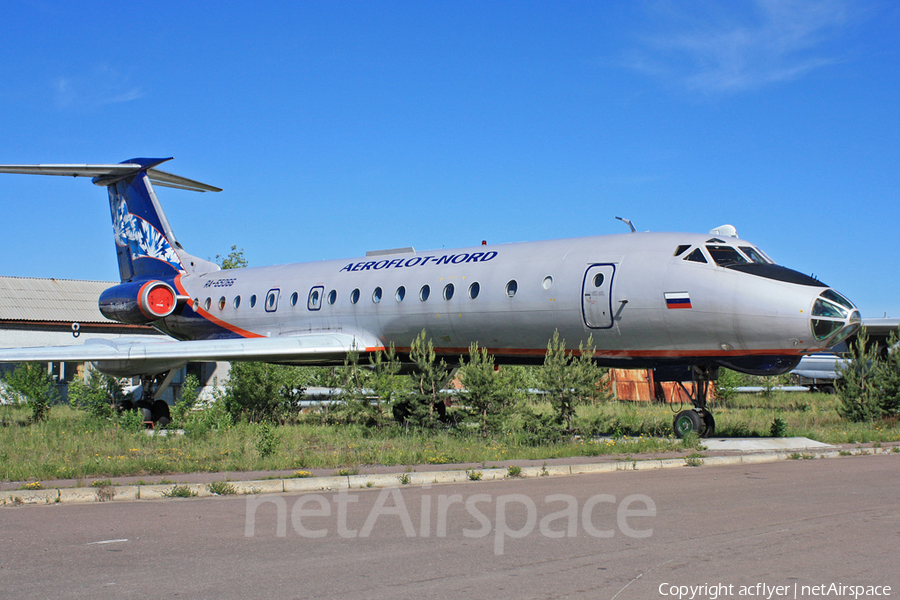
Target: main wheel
column 687, row 421
column 145, row 409
column 161, row 414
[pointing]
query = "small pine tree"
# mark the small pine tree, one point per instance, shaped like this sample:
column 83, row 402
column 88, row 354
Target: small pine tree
column 488, row 394
column 424, row 405
column 569, row 378
column 858, row 387
column 385, row 382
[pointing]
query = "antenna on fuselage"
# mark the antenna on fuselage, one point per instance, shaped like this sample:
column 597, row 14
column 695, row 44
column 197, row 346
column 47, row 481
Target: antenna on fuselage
column 627, row 222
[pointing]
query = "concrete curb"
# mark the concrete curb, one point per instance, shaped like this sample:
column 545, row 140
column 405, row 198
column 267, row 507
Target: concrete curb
column 115, row 493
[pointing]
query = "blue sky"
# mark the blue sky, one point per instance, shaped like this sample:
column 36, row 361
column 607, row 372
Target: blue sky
column 340, row 127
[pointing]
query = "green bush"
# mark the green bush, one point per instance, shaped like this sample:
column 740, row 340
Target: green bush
column 259, row 392
column 32, row 385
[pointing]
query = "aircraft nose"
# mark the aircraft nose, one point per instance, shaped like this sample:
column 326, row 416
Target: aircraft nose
column 833, row 319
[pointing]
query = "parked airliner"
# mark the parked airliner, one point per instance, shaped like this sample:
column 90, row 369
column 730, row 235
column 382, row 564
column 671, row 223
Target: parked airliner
column 692, row 302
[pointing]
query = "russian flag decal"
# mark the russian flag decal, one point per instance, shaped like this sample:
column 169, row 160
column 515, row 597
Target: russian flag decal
column 678, row 300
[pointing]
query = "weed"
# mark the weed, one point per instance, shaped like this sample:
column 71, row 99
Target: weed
column 104, row 490
column 896, row 449
column 544, row 472
column 694, row 459
column 794, row 456
column 403, row 478
column 845, row 453
column 266, row 440
column 514, row 471
column 474, row 475
column 369, row 484
column 34, row 485
column 221, row 488
column 180, row 491
column 300, row 475
column 345, row 472
column 778, row 428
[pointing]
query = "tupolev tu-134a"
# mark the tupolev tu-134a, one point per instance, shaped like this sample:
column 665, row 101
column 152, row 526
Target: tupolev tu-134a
column 680, row 302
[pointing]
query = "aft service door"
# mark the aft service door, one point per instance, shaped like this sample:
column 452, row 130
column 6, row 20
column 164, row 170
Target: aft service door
column 596, row 298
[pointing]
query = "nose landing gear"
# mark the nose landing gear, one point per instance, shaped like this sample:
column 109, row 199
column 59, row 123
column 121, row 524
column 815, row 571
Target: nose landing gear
column 698, row 419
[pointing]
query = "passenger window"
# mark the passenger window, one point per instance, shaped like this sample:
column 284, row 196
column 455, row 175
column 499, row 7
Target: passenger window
column 511, row 288
column 222, row 303
column 547, row 283
column 208, row 303
column 474, row 289
column 253, row 301
column 332, row 296
column 424, row 293
column 354, row 296
column 448, row 291
column 376, row 295
column 294, row 297
column 400, row 294
column 598, row 279
column 696, row 256
column 237, row 302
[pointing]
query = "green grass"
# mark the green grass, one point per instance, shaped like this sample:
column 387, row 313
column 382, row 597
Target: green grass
column 72, row 445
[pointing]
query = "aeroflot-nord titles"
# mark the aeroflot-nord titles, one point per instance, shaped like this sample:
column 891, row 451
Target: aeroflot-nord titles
column 676, row 300
column 396, row 263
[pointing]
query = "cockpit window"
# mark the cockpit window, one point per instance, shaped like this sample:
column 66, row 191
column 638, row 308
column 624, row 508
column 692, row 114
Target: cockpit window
column 680, row 249
column 696, row 256
column 726, row 255
column 835, row 297
column 754, row 255
column 824, row 308
column 715, row 241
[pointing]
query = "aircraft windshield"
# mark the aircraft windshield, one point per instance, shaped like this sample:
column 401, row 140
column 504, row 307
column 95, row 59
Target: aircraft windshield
column 754, row 255
column 726, row 255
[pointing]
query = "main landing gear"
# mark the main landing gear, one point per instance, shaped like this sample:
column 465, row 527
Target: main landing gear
column 154, row 411
column 698, row 419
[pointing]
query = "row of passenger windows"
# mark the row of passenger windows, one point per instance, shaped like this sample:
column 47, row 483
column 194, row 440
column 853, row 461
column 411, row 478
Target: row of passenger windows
column 314, row 300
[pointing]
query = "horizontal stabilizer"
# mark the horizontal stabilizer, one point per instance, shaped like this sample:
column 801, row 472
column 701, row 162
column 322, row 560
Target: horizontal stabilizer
column 109, row 173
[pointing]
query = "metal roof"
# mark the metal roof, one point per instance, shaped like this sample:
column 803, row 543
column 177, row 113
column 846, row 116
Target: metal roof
column 56, row 300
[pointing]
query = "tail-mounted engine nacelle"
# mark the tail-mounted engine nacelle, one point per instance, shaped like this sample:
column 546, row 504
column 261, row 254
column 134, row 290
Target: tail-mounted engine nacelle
column 139, row 302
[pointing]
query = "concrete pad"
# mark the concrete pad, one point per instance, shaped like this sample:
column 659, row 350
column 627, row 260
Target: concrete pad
column 155, row 492
column 763, row 444
column 311, row 484
column 14, row 497
column 381, row 480
column 99, row 494
column 268, row 486
column 546, row 471
column 593, row 468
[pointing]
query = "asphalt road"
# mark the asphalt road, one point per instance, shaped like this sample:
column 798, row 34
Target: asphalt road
column 620, row 535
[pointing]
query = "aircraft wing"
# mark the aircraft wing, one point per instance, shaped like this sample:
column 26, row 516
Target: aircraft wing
column 142, row 356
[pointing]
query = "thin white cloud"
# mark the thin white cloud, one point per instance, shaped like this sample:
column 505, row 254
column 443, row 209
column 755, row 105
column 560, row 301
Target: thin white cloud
column 747, row 47
column 102, row 86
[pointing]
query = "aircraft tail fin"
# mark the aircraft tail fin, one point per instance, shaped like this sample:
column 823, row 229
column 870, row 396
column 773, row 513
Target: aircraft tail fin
column 146, row 246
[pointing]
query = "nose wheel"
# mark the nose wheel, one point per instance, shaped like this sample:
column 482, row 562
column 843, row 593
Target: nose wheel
column 696, row 420
column 699, row 419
